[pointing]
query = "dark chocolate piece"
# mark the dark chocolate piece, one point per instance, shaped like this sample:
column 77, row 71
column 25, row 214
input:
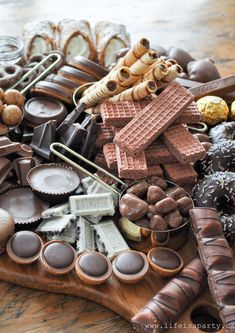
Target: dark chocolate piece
column 181, row 56
column 58, row 255
column 70, row 119
column 25, row 244
column 22, row 167
column 73, row 137
column 172, row 300
column 93, row 264
column 90, row 139
column 5, row 168
column 202, row 70
column 165, row 258
column 129, row 263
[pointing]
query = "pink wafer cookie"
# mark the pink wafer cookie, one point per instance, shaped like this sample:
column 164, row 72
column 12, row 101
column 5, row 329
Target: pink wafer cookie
column 120, row 113
column 109, row 151
column 154, row 119
column 131, row 167
column 183, row 145
column 180, row 173
column 189, row 116
column 158, row 153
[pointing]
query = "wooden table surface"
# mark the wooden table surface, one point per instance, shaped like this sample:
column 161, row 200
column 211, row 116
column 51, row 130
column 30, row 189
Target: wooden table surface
column 205, row 28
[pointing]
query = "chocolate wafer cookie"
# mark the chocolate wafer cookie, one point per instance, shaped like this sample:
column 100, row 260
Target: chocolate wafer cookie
column 158, row 153
column 106, row 135
column 180, row 173
column 183, row 145
column 109, row 151
column 189, row 116
column 129, row 166
column 154, row 119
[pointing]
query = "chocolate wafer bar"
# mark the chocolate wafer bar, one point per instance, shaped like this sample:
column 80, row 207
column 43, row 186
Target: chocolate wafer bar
column 155, row 170
column 180, row 173
column 172, row 300
column 129, row 166
column 189, row 116
column 182, row 144
column 105, row 135
column 154, row 119
column 158, row 153
column 109, row 151
column 120, row 113
column 217, row 259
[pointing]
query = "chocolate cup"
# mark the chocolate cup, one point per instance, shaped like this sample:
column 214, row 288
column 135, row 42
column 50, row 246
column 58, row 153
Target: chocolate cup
column 53, row 270
column 131, row 278
column 164, row 271
column 53, row 197
column 88, row 279
column 20, row 260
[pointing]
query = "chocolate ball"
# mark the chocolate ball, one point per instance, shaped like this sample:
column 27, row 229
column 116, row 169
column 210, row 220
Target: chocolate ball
column 166, row 205
column 202, row 71
column 133, row 207
column 93, row 264
column 140, row 189
column 155, row 193
column 11, row 115
column 181, row 56
column 129, row 263
column 174, row 219
column 13, row 96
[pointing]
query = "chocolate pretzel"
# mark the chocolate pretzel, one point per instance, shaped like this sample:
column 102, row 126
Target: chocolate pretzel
column 9, row 74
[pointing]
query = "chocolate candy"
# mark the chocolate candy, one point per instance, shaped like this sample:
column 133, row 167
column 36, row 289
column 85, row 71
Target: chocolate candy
column 88, row 66
column 139, row 189
column 184, row 205
column 39, row 110
column 22, row 167
column 7, row 227
column 155, row 193
column 9, row 74
column 181, row 56
column 176, row 193
column 11, row 115
column 132, row 207
column 57, row 257
column 158, row 223
column 52, row 90
column 214, row 109
column 166, row 205
column 24, row 247
column 174, row 219
column 130, row 267
column 93, row 268
column 202, row 70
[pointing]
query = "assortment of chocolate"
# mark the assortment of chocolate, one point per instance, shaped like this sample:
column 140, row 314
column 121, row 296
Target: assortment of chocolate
column 137, row 115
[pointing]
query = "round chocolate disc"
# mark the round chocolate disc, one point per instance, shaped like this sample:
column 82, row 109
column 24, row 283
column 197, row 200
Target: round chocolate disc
column 129, row 263
column 58, row 255
column 93, row 264
column 25, row 244
column 165, row 258
column 39, row 110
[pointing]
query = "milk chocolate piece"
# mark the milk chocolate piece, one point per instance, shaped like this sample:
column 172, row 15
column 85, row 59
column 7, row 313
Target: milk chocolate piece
column 164, row 258
column 139, row 189
column 22, row 166
column 180, row 173
column 166, row 205
column 184, row 205
column 202, row 70
column 8, row 147
column 158, row 223
column 183, row 145
column 139, row 133
column 217, row 87
column 155, row 193
column 172, row 300
column 174, row 219
column 43, row 137
column 132, row 207
column 182, row 57
column 7, row 227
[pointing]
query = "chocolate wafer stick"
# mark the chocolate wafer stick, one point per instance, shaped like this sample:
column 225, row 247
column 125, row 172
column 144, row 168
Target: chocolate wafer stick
column 183, row 145
column 180, row 174
column 157, row 72
column 217, row 259
column 172, row 300
column 139, row 133
column 100, row 93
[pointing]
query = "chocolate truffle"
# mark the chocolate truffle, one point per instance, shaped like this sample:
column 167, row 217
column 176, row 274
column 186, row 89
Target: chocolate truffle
column 24, row 247
column 181, row 56
column 130, row 266
column 202, row 71
column 164, row 261
column 58, row 257
column 7, row 227
column 93, row 267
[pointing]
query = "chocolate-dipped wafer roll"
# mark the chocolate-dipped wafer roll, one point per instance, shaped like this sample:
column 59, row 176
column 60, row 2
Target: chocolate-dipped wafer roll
column 99, row 94
column 174, row 71
column 157, row 72
column 172, row 300
column 136, row 93
column 217, row 259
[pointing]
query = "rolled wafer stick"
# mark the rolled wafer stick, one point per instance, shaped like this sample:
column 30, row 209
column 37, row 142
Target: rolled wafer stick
column 136, row 93
column 171, row 62
column 120, row 75
column 99, row 94
column 156, row 73
column 174, row 71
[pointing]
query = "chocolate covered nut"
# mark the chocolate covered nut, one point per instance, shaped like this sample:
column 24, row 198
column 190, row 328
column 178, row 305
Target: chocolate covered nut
column 157, row 181
column 13, row 96
column 184, row 205
column 133, row 207
column 158, row 223
column 140, row 189
column 155, row 193
column 11, row 115
column 176, row 193
column 202, row 71
column 174, row 219
column 166, row 205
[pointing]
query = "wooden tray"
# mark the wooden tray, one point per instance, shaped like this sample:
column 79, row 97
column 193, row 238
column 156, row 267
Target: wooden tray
column 126, row 300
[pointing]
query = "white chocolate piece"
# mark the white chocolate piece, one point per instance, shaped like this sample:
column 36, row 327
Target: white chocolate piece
column 56, row 224
column 56, row 211
column 68, row 236
column 85, row 236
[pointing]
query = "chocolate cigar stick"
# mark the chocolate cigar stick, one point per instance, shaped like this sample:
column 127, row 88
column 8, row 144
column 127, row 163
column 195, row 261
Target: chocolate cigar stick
column 135, row 93
column 99, row 94
column 217, row 259
column 217, row 87
column 172, row 300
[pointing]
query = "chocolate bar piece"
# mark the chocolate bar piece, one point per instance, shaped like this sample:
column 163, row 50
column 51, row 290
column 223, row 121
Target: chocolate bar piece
column 183, row 145
column 109, row 151
column 91, row 127
column 119, row 114
column 172, row 300
column 92, row 204
column 68, row 236
column 154, row 119
column 85, row 236
column 189, row 116
column 111, row 238
column 8, row 147
column 22, row 166
column 155, row 170
column 70, row 119
column 180, row 173
column 158, row 153
column 56, row 225
column 217, row 87
column 129, row 166
column 217, row 259
column 56, row 211
column 73, row 137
